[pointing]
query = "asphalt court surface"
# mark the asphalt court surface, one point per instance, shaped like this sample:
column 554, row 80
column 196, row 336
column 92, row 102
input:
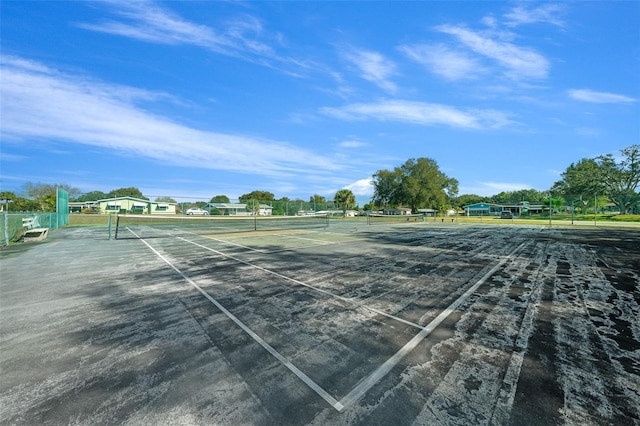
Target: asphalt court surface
column 416, row 324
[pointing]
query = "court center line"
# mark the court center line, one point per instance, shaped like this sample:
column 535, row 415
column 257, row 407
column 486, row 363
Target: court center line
column 328, row 293
column 306, row 379
column 366, row 384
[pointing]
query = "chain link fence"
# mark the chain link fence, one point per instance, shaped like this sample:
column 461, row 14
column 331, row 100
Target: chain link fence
column 13, row 225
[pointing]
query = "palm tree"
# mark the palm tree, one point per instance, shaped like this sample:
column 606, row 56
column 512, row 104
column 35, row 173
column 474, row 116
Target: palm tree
column 346, row 199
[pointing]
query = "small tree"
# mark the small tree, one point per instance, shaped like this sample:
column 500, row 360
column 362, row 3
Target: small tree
column 253, row 206
column 345, row 199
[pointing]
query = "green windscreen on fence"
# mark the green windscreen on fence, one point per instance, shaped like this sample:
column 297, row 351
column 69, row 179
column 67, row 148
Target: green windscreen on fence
column 62, row 207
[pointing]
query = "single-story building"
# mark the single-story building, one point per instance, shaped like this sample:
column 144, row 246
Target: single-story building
column 238, row 209
column 79, row 206
column 524, row 207
column 487, row 209
column 427, row 212
column 134, row 205
column 483, row 209
column 402, row 211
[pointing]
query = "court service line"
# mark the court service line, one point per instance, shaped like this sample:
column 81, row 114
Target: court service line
column 366, row 384
column 306, row 379
column 293, row 280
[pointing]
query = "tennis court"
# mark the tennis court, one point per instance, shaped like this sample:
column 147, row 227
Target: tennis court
column 335, row 322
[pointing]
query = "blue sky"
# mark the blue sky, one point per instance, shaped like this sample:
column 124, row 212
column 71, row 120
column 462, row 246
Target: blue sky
column 196, row 99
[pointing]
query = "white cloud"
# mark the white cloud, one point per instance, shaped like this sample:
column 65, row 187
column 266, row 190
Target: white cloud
column 153, row 24
column 587, row 95
column 546, row 13
column 421, row 113
column 520, row 62
column 362, row 187
column 242, row 36
column 374, row 67
column 352, row 144
column 443, row 61
column 39, row 104
column 492, row 188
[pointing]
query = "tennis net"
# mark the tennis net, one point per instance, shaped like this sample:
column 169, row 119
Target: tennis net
column 390, row 219
column 145, row 226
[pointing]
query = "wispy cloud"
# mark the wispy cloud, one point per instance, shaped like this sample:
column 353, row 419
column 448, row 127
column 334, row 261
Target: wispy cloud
column 241, row 36
column 42, row 104
column 548, row 13
column 148, row 22
column 421, row 113
column 519, row 62
column 441, row 60
column 587, row 95
column 373, row 67
column 352, row 144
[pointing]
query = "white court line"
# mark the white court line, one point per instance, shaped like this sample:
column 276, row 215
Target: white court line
column 366, row 384
column 313, row 385
column 507, row 394
column 328, row 293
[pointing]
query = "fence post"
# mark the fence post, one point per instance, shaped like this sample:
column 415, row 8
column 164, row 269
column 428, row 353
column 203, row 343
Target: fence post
column 6, row 224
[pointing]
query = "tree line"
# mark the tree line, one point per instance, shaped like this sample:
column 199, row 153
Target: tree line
column 418, row 183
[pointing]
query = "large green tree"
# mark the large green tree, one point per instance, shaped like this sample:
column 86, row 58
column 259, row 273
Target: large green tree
column 387, row 186
column 621, row 179
column 282, row 207
column 583, row 178
column 345, row 199
column 220, row 199
column 604, row 176
column 257, row 195
column 513, row 197
column 418, row 183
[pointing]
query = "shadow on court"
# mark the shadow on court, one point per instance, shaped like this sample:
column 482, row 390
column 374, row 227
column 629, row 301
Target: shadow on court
column 115, row 332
